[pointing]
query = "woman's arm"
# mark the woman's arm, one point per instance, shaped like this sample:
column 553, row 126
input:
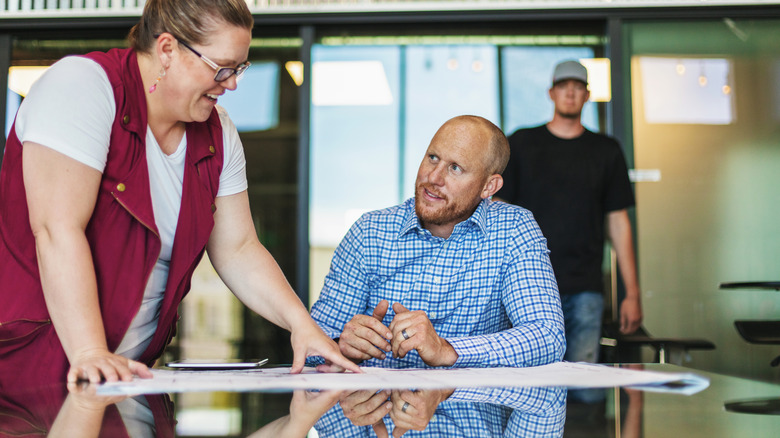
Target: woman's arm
column 61, row 195
column 253, row 275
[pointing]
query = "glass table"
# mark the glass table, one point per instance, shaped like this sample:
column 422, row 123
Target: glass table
column 53, row 410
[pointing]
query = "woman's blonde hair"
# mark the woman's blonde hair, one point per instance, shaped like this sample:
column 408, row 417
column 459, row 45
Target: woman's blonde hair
column 189, row 20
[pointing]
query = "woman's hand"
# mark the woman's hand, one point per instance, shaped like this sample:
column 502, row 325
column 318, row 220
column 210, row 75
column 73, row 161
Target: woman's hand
column 308, row 340
column 96, row 365
column 308, row 406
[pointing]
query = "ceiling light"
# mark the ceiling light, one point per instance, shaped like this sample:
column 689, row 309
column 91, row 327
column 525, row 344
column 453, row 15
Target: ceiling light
column 340, row 83
column 599, row 79
column 295, row 69
column 20, row 79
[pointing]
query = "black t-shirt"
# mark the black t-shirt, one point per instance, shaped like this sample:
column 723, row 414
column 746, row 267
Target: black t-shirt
column 569, row 185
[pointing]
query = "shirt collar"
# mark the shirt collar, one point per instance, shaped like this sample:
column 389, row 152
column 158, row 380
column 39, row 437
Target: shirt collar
column 412, row 222
column 480, row 216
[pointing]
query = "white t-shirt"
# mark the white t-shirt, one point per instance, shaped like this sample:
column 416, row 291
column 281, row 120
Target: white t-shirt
column 71, row 109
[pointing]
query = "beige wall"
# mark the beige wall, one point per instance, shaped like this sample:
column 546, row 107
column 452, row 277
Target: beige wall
column 319, row 263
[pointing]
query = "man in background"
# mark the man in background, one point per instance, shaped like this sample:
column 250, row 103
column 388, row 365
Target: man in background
column 575, row 182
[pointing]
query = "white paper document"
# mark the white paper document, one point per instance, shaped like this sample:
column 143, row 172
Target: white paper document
column 572, row 375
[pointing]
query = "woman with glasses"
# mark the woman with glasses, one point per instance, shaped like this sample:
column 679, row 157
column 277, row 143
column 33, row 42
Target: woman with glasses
column 119, row 171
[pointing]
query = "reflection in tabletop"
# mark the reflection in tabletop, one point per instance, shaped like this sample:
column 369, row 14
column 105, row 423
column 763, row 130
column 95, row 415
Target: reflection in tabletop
column 478, row 412
column 54, row 411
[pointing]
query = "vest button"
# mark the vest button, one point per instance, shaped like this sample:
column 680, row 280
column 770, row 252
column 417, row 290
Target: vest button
column 213, row 208
column 126, row 119
column 121, row 187
column 211, row 149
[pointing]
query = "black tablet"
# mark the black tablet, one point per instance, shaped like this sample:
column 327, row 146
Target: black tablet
column 216, row 364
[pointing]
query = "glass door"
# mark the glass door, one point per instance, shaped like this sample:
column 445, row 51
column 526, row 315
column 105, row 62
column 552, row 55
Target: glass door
column 706, row 107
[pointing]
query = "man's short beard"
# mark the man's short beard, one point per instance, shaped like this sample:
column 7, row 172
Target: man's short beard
column 448, row 214
column 440, row 217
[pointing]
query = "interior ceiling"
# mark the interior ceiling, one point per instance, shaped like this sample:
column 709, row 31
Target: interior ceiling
column 115, row 8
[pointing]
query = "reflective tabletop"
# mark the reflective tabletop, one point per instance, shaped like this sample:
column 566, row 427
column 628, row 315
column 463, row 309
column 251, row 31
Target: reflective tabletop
column 724, row 409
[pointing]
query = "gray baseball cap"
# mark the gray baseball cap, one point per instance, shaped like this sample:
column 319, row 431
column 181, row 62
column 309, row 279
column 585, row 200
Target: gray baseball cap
column 570, row 70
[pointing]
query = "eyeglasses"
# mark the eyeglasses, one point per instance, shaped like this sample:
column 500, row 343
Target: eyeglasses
column 222, row 73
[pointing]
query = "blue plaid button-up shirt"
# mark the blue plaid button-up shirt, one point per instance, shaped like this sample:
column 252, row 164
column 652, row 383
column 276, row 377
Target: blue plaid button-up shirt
column 488, row 289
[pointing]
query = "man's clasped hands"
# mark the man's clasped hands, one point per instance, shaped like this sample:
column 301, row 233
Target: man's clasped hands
column 365, row 337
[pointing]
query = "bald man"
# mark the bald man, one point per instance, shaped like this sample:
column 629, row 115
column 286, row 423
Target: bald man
column 449, row 277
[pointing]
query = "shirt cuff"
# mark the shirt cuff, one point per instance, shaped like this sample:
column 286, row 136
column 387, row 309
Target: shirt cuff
column 471, row 352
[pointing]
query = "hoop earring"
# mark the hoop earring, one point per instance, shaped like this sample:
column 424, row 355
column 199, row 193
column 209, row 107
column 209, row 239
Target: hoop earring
column 159, row 76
